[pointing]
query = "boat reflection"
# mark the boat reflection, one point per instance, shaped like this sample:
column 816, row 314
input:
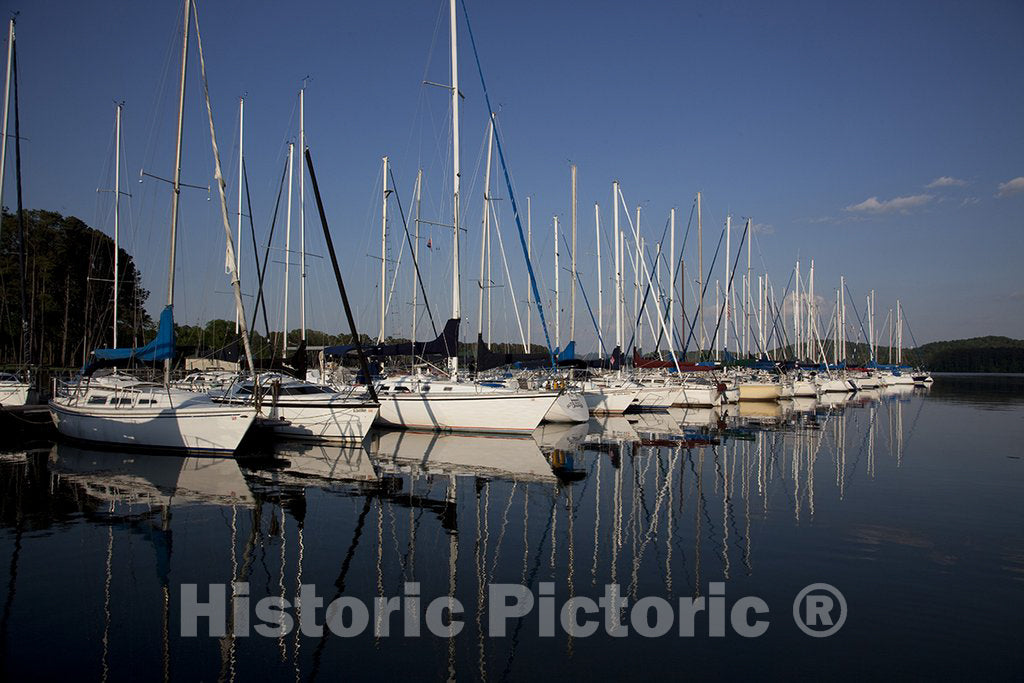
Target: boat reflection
column 515, row 458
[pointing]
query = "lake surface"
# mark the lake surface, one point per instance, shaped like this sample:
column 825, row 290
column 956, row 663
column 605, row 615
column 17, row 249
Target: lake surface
column 909, row 504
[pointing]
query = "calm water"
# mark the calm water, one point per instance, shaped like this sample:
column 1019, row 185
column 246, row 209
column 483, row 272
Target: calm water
column 911, row 504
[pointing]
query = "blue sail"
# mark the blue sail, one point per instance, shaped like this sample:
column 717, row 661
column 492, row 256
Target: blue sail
column 161, row 348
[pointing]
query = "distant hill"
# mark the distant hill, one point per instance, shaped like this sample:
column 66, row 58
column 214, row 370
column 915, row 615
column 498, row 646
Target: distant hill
column 978, row 354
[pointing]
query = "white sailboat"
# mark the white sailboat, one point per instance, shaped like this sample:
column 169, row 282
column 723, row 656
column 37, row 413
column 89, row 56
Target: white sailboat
column 124, row 411
column 422, row 402
column 301, row 410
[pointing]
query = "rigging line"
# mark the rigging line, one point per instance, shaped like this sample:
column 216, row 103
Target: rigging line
column 508, row 276
column 707, row 281
column 675, row 275
column 266, row 255
column 732, row 276
column 642, row 309
column 586, row 300
column 416, row 265
column 775, row 333
column 508, row 184
column 859, row 321
column 255, row 251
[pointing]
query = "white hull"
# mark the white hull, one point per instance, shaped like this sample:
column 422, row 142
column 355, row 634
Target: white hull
column 185, row 421
column 604, row 401
column 834, row 386
column 653, row 398
column 699, row 396
column 802, row 389
column 862, row 383
column 508, row 412
column 13, row 393
column 322, row 423
column 568, row 407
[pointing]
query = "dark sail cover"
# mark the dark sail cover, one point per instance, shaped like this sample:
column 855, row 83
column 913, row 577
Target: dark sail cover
column 445, row 345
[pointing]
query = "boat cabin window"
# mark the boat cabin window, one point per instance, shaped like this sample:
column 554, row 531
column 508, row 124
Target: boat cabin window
column 447, row 388
column 127, row 400
column 146, row 401
column 97, row 400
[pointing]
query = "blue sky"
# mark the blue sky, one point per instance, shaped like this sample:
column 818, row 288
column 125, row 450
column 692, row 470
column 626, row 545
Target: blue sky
column 883, row 140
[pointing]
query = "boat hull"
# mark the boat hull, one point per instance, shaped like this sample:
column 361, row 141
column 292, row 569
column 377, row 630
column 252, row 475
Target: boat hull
column 202, row 427
column 327, row 422
column 698, row 396
column 760, row 392
column 13, row 394
column 501, row 413
column 609, row 401
column 568, row 407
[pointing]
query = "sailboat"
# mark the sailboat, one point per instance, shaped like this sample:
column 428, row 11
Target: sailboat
column 121, row 410
column 427, row 402
column 13, row 388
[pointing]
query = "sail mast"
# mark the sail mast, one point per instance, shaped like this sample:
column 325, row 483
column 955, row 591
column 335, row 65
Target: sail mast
column 453, row 362
column 117, row 210
column 558, row 326
column 287, row 249
column 302, row 214
column 572, row 257
column 416, row 256
column 600, row 285
column 7, row 104
column 383, row 246
column 176, row 184
column 700, row 282
column 241, row 128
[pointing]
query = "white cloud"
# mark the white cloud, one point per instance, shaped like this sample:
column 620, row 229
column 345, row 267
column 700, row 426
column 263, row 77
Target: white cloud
column 946, row 181
column 1011, row 187
column 903, row 204
column 764, row 229
column 969, row 201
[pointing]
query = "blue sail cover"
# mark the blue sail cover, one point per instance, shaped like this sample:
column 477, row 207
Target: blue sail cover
column 161, row 348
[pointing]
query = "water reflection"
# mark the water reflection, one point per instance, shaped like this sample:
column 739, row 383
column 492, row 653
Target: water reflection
column 659, row 503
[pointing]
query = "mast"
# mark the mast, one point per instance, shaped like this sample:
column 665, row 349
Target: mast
column 899, row 333
column 238, row 260
column 672, row 271
column 638, row 329
column 810, row 314
column 117, row 211
column 529, row 290
column 485, row 244
column 796, row 315
column 176, row 183
column 618, row 265
column 842, row 316
column 302, row 214
column 748, row 291
column 383, row 247
column 416, row 253
column 558, row 326
column 728, row 284
column 7, row 104
column 453, row 362
column 600, row 284
column 572, row 257
column 287, row 248
column 836, row 335
column 700, row 280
